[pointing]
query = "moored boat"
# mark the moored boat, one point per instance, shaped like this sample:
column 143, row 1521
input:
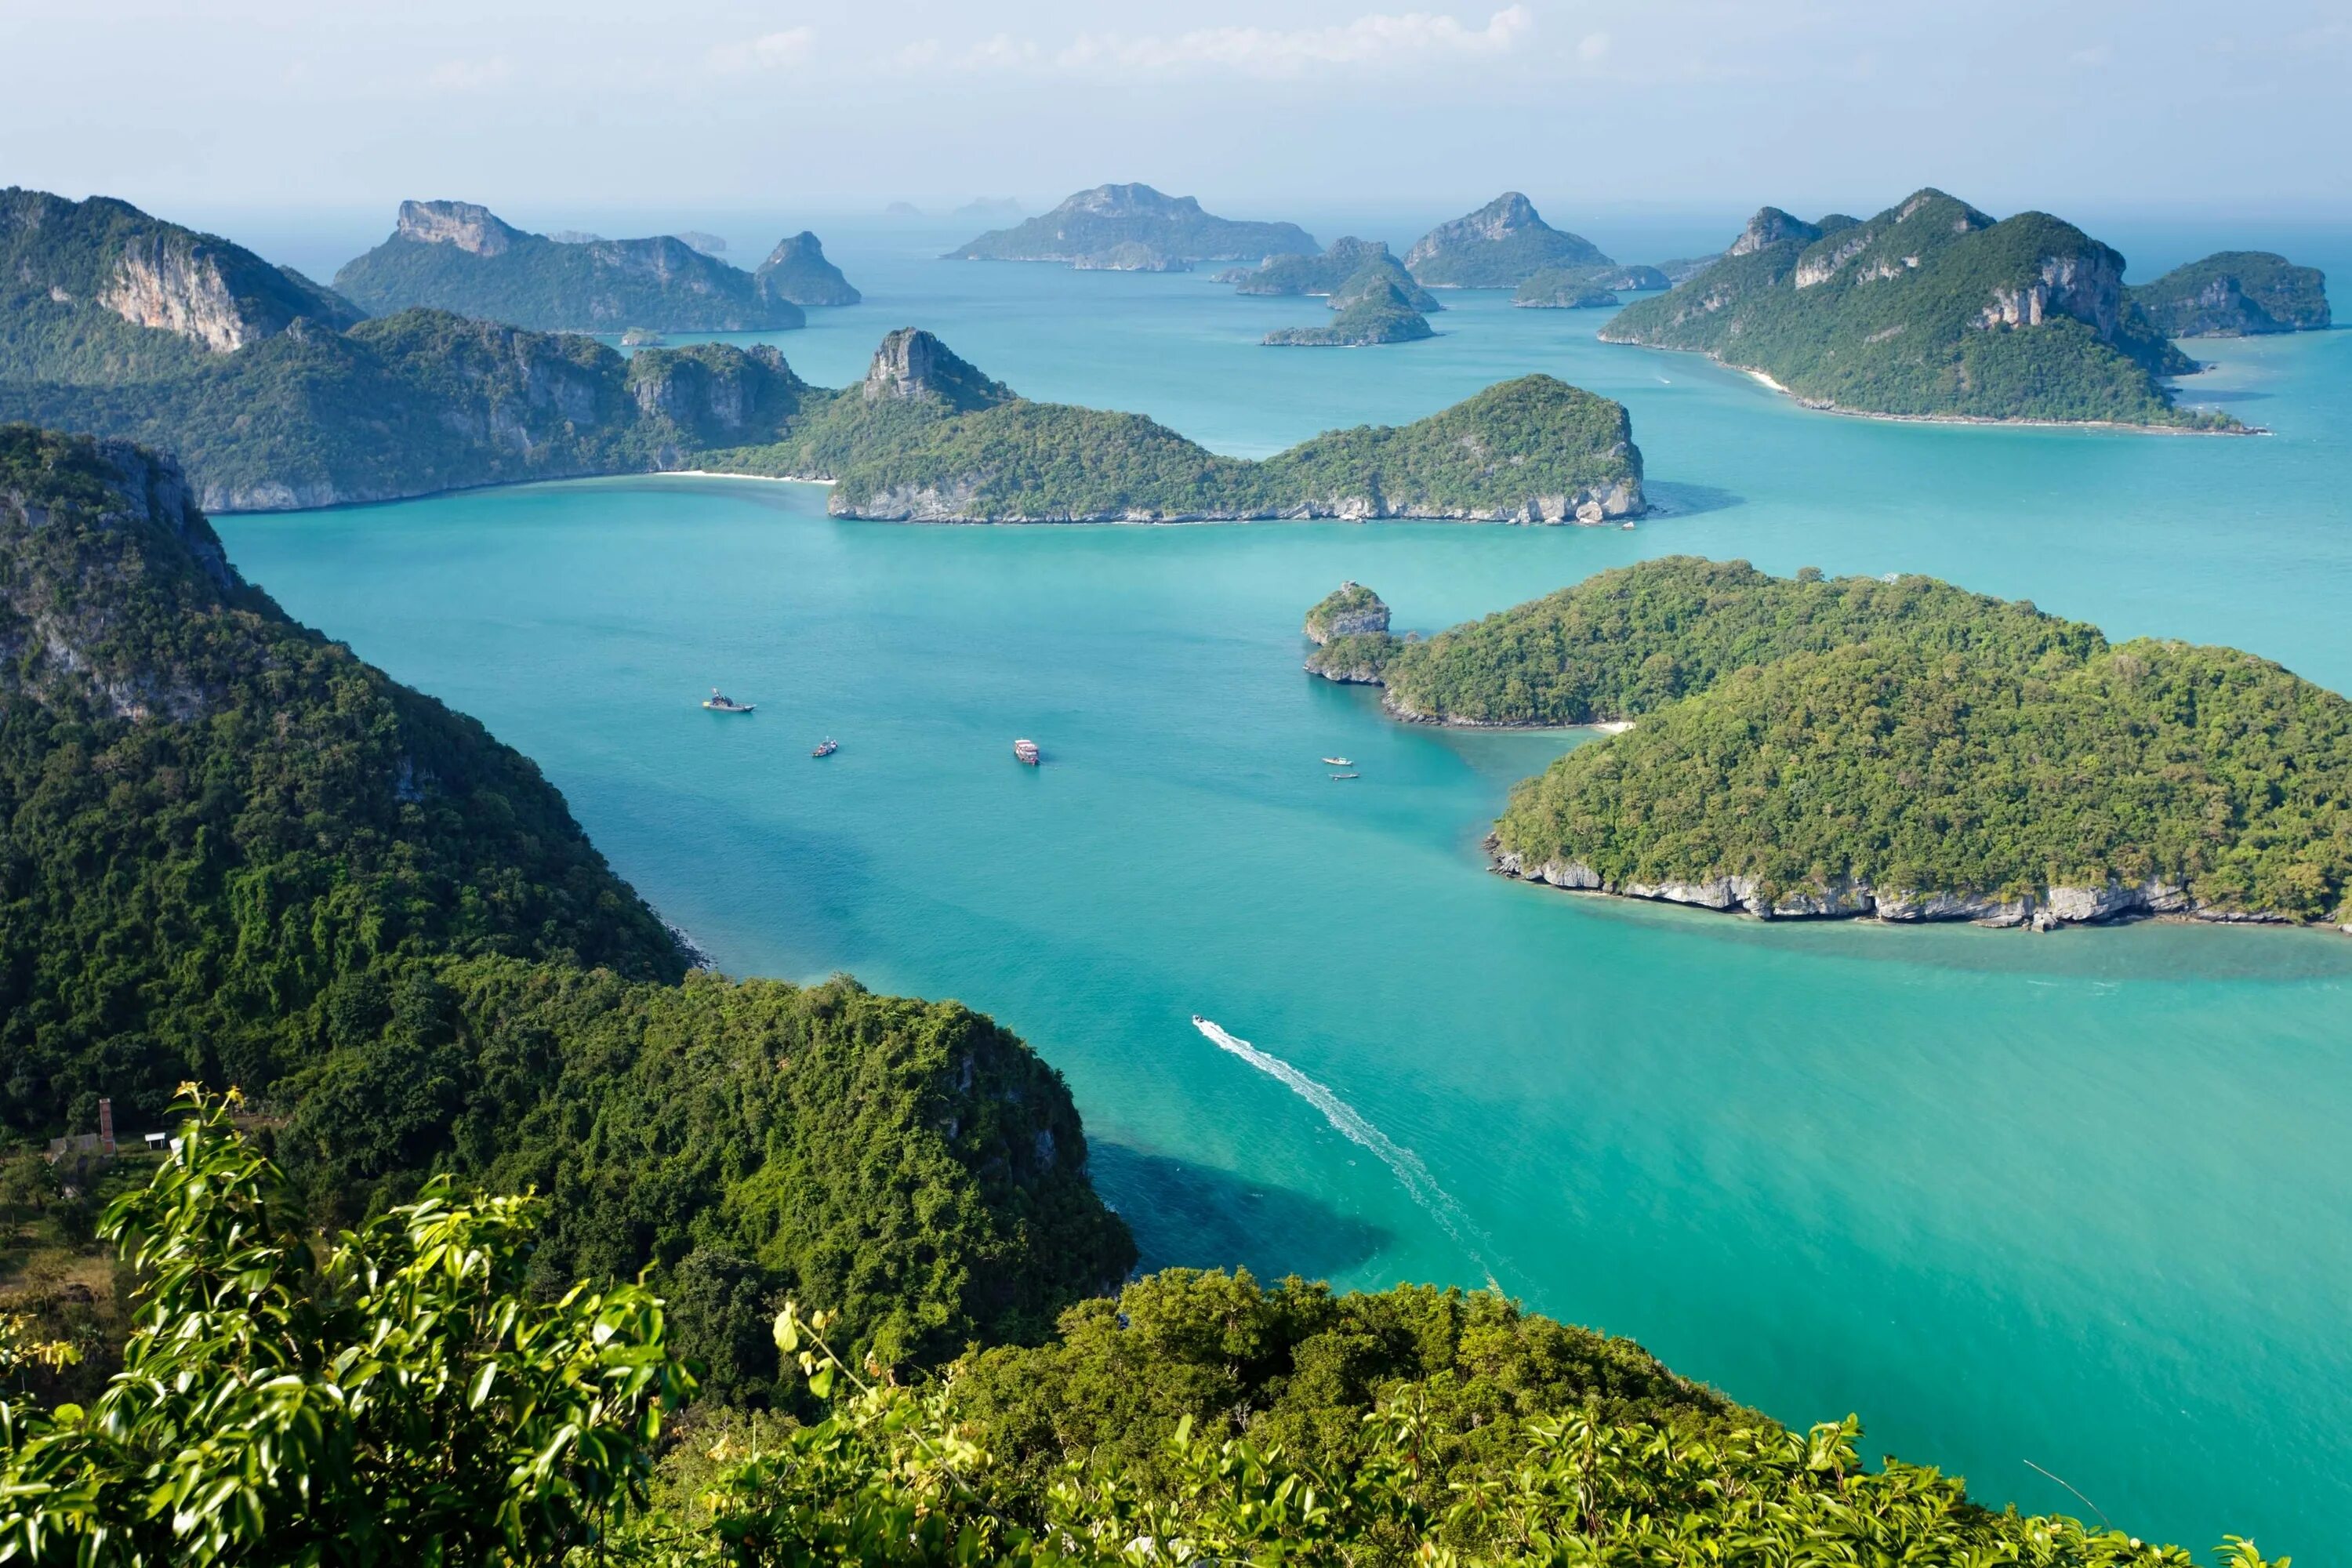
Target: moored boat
column 1026, row 751
column 1347, row 775
column 825, row 747
column 1340, row 762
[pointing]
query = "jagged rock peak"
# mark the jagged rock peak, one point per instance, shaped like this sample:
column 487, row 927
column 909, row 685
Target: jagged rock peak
column 796, row 247
column 1771, row 225
column 465, row 225
column 912, row 364
column 1929, row 199
column 1506, row 215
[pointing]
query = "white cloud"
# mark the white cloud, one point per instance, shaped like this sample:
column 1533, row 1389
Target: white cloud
column 1375, row 42
column 770, row 51
column 468, row 76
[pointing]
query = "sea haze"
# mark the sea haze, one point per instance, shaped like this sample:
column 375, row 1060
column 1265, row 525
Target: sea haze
column 2076, row 1202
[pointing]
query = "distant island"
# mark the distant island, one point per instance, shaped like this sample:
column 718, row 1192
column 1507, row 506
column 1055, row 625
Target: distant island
column 797, row 272
column 1376, row 312
column 1901, row 749
column 1347, row 263
column 1500, row 246
column 928, row 437
column 2236, row 294
column 1089, row 225
column 1931, row 309
column 458, row 256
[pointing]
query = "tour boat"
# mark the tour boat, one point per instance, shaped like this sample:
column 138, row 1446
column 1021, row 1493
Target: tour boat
column 1340, row 762
column 1026, row 751
column 720, row 702
column 1347, row 775
column 827, row 747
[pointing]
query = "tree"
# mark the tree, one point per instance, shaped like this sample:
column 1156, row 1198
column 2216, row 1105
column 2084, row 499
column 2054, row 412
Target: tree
column 392, row 1397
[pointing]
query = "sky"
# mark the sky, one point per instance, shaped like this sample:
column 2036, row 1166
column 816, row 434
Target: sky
column 1250, row 104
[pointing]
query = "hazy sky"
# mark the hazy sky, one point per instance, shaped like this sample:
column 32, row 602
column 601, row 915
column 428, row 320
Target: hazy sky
column 1249, row 103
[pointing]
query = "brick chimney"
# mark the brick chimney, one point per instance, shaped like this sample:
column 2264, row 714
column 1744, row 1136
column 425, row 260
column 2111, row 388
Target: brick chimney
column 106, row 1128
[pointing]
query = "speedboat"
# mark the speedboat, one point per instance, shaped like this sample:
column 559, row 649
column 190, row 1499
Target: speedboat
column 827, row 747
column 720, row 702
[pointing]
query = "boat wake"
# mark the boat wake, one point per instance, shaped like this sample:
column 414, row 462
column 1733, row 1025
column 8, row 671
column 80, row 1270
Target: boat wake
column 1349, row 1123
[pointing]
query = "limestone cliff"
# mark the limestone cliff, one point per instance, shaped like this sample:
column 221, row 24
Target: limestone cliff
column 1499, row 245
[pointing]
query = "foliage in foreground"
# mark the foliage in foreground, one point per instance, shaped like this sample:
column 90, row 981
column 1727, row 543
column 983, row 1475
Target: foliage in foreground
column 399, row 1396
column 392, row 1396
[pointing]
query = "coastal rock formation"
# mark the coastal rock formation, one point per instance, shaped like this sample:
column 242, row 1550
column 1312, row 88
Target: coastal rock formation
column 460, row 257
column 1092, row 223
column 1499, row 245
column 913, row 364
column 797, row 272
column 2047, row 910
column 2236, row 293
column 1349, row 610
column 1931, row 309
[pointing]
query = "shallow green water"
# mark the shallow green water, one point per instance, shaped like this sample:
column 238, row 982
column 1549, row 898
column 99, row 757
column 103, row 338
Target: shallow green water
column 2078, row 1200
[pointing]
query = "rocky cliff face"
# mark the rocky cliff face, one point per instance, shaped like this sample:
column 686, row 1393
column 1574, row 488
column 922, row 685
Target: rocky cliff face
column 913, row 364
column 1507, row 214
column 2044, row 909
column 161, row 284
column 2088, row 286
column 1771, row 225
column 464, row 225
column 797, row 271
column 1349, row 610
column 59, row 611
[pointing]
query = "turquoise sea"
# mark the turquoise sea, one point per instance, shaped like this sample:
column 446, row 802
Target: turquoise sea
column 2080, row 1202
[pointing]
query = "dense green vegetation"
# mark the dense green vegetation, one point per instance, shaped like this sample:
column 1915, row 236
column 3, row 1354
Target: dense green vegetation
column 235, row 852
column 456, row 256
column 1333, row 273
column 1929, row 310
column 1584, row 288
column 1500, row 246
column 2236, row 293
column 1812, row 736
column 798, row 272
column 1374, row 311
column 908, row 444
column 404, row 1396
column 1092, row 223
column 1350, row 609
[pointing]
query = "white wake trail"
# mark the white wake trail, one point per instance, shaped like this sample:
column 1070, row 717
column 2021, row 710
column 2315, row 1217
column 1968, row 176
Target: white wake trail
column 1349, row 1124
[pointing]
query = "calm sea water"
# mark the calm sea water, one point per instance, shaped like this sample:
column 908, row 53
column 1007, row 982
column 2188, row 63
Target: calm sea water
column 2079, row 1200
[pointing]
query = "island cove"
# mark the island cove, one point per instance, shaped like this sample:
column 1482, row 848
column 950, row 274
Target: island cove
column 1897, row 748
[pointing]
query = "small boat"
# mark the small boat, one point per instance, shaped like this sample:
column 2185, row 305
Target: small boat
column 827, row 747
column 1347, row 775
column 720, row 702
column 1627, row 527
column 1339, row 761
column 1026, row 751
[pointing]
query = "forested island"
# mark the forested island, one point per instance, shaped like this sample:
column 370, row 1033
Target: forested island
column 797, row 272
column 1500, row 246
column 876, row 1279
column 1351, row 265
column 1903, row 749
column 927, row 437
column 1376, row 311
column 2236, row 294
column 460, row 257
column 1087, row 226
column 1931, row 309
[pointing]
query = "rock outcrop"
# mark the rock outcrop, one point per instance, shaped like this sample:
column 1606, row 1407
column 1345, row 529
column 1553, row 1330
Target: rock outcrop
column 2047, row 908
column 913, row 364
column 463, row 226
column 1349, row 610
column 1499, row 245
column 797, row 272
